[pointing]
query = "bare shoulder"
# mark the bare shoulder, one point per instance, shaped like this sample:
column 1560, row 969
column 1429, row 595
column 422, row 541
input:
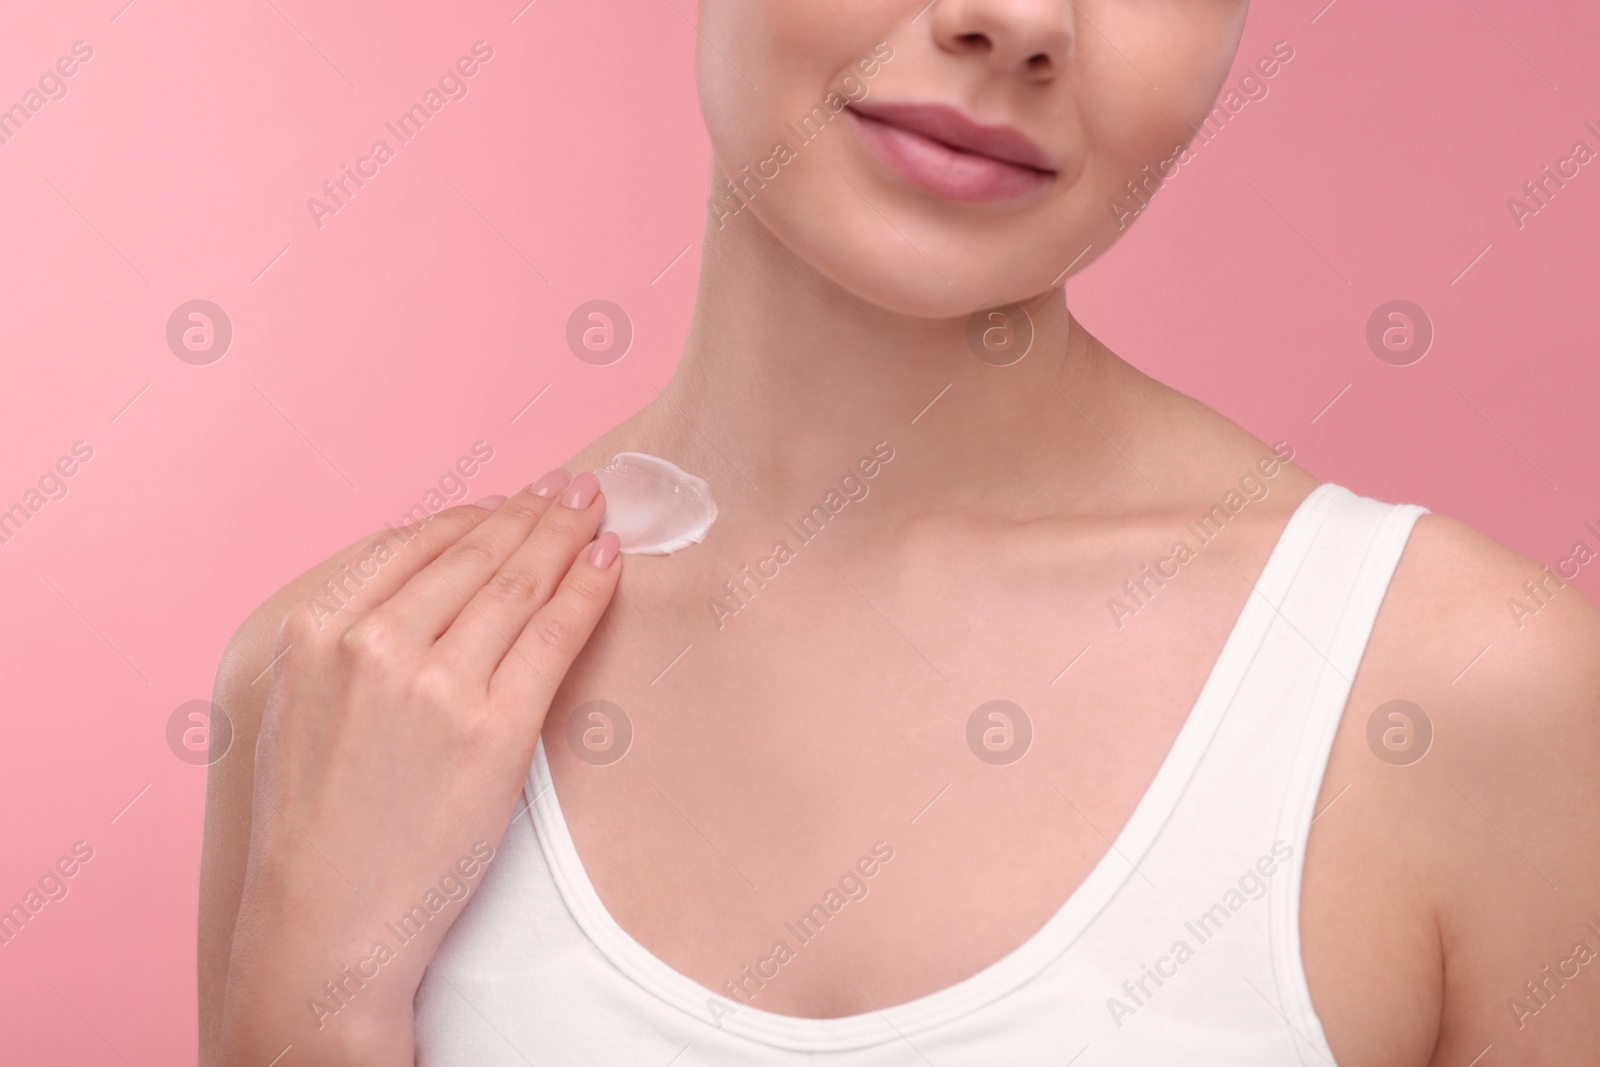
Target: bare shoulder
column 240, row 690
column 251, row 648
column 1455, row 868
column 1509, row 645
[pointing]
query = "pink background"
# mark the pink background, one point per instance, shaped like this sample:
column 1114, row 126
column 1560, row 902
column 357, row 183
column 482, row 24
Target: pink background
column 373, row 352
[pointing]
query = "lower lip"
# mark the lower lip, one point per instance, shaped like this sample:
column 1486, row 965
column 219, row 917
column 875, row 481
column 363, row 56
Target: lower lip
column 945, row 171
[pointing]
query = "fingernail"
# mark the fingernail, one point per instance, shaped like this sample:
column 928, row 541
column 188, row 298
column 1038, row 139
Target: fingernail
column 581, row 493
column 605, row 550
column 490, row 503
column 550, row 484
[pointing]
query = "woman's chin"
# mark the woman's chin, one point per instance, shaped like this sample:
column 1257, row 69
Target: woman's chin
column 946, row 283
column 901, row 291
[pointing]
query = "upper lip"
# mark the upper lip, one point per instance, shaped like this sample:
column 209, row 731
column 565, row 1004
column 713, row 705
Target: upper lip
column 953, row 128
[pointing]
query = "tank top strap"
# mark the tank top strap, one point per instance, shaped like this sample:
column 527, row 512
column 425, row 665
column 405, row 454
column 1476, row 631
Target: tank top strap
column 1329, row 608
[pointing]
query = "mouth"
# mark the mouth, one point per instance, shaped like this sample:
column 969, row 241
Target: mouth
column 941, row 150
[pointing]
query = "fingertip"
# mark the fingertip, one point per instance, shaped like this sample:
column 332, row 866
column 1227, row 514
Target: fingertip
column 607, row 549
column 551, row 484
column 581, row 492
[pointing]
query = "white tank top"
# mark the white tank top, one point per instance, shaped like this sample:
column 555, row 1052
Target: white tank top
column 1181, row 946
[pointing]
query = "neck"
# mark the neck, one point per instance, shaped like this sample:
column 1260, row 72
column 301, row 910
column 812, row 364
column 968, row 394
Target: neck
column 786, row 378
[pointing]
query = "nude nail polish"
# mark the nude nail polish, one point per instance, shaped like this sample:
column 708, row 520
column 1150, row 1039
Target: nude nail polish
column 581, row 493
column 551, row 484
column 490, row 503
column 605, row 549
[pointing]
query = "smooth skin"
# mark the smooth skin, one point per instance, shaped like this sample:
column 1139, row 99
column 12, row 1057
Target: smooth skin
column 401, row 724
column 773, row 747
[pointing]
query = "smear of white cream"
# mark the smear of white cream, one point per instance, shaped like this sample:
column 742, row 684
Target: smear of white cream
column 654, row 506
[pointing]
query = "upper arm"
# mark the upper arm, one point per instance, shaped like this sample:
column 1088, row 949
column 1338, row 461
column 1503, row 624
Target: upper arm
column 1501, row 819
column 240, row 690
column 1521, row 863
column 1457, row 849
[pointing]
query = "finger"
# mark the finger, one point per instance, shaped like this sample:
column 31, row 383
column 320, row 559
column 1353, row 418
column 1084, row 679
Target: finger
column 367, row 573
column 424, row 607
column 482, row 632
column 527, row 677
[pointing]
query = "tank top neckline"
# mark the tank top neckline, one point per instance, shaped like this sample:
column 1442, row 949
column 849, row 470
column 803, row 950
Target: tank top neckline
column 1019, row 965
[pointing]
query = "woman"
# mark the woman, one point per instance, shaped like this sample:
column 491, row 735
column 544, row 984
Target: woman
column 988, row 722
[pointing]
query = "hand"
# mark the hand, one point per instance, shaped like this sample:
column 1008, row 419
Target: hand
column 397, row 734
